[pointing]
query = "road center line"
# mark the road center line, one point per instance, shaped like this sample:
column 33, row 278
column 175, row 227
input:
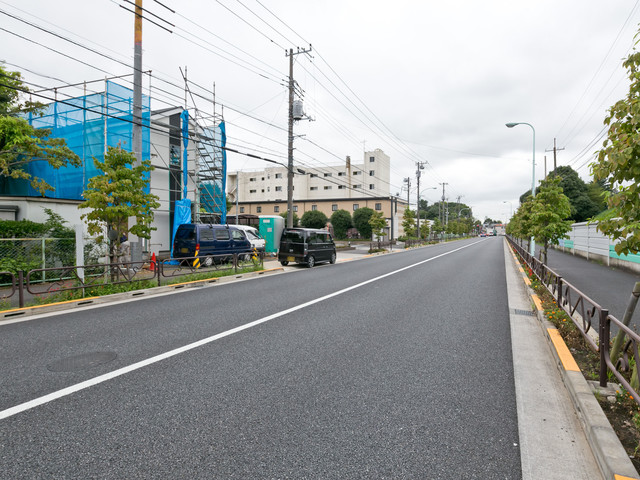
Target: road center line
column 163, row 356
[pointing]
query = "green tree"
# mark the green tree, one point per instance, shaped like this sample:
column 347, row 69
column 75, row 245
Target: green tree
column 118, row 194
column 296, row 220
column 425, row 230
column 520, row 225
column 549, row 212
column 341, row 222
column 618, row 164
column 377, row 222
column 409, row 222
column 361, row 221
column 582, row 205
column 314, row 219
column 20, row 143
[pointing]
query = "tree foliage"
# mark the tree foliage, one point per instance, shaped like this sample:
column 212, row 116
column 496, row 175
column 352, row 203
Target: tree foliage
column 314, row 219
column 20, row 143
column 118, row 194
column 377, row 222
column 296, row 219
column 361, row 221
column 549, row 212
column 409, row 222
column 341, row 222
column 618, row 164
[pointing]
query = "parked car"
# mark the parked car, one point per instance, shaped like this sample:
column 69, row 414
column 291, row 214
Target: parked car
column 306, row 245
column 253, row 236
column 210, row 242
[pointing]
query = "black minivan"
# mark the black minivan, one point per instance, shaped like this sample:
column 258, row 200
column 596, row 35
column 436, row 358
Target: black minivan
column 306, row 245
column 209, row 242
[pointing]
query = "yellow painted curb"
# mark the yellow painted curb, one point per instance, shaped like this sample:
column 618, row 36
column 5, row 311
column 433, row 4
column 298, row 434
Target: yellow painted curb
column 34, row 307
column 537, row 301
column 527, row 281
column 622, row 477
column 566, row 358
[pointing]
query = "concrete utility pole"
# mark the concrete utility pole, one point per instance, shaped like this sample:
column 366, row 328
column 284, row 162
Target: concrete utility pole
column 137, row 85
column 290, row 54
column 408, row 182
column 419, row 166
column 443, row 206
column 554, row 150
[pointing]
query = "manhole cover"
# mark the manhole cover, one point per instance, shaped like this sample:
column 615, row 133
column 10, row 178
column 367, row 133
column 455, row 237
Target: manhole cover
column 83, row 361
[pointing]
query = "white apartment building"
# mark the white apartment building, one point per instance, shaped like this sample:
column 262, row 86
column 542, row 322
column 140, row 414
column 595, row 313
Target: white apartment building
column 371, row 178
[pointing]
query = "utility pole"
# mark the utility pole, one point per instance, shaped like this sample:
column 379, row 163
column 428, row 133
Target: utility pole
column 290, row 54
column 554, row 150
column 419, row 166
column 443, row 206
column 137, row 84
column 408, row 182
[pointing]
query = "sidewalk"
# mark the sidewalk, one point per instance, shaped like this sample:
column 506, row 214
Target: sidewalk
column 563, row 432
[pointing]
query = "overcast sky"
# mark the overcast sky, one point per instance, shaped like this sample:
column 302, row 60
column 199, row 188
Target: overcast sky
column 422, row 80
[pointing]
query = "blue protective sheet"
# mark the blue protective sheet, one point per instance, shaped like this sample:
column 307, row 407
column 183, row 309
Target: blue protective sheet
column 89, row 124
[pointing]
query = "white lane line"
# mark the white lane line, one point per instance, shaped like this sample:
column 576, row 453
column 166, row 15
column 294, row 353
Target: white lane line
column 163, row 356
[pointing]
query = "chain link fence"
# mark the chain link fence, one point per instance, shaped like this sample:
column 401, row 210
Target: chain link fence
column 25, row 254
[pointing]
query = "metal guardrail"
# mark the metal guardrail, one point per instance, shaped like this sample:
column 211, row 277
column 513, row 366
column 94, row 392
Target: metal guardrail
column 583, row 310
column 60, row 279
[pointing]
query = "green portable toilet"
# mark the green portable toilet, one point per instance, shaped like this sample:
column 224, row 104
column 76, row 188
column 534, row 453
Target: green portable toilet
column 271, row 227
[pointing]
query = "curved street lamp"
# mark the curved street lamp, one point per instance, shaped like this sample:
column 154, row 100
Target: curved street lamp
column 532, row 250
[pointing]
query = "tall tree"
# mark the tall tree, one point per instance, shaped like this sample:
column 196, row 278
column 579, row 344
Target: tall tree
column 341, row 222
column 549, row 212
column 361, row 221
column 582, row 205
column 118, row 194
column 377, row 222
column 409, row 222
column 618, row 164
column 314, row 219
column 20, row 143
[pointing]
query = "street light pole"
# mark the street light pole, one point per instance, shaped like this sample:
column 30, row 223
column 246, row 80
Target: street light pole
column 532, row 250
column 510, row 206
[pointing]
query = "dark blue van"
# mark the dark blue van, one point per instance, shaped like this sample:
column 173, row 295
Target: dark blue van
column 209, row 242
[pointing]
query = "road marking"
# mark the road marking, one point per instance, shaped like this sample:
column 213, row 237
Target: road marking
column 163, row 356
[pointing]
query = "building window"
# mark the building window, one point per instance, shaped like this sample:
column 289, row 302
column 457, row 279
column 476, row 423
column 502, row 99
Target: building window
column 252, row 191
column 278, row 175
column 313, row 175
column 372, row 159
column 355, row 206
column 314, row 208
column 357, row 172
column 295, row 208
column 241, row 209
column 327, row 187
column 278, row 189
column 276, row 209
column 334, row 207
column 252, row 179
column 262, row 190
column 263, row 179
column 341, row 174
column 372, row 173
column 357, row 186
column 340, row 187
column 378, row 206
column 313, row 188
column 372, row 186
column 259, row 209
column 327, row 175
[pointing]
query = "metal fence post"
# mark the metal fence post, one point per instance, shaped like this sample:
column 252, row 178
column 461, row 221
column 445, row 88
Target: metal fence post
column 603, row 331
column 559, row 296
column 20, row 288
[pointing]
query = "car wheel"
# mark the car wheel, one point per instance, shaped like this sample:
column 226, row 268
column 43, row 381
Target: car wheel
column 284, row 263
column 332, row 260
column 311, row 261
column 207, row 262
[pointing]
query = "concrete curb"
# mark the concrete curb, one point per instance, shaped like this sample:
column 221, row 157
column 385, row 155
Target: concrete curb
column 612, row 459
column 18, row 313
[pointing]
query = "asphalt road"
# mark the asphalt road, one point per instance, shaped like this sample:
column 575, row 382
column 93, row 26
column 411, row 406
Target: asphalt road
column 398, row 366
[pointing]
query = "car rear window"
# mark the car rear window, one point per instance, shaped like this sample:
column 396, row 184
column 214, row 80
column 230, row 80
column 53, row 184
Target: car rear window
column 292, row 236
column 186, row 233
